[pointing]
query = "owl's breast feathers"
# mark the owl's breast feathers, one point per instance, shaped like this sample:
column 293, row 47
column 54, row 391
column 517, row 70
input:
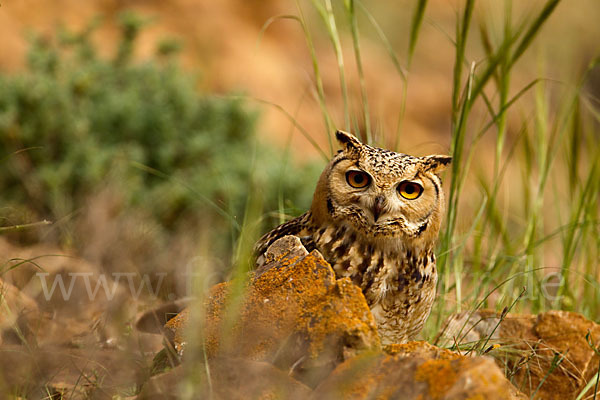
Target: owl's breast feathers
column 398, row 282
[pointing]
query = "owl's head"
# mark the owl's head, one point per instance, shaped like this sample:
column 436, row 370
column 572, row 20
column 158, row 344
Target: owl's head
column 380, row 193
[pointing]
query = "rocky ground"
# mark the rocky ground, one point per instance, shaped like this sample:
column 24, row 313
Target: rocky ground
column 292, row 330
column 300, row 333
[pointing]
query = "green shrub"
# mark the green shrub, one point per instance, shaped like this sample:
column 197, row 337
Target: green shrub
column 75, row 122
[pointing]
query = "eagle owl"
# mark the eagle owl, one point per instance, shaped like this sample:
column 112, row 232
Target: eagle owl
column 375, row 217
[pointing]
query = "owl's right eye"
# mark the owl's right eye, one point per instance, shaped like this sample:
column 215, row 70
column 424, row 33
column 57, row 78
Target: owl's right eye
column 358, row 179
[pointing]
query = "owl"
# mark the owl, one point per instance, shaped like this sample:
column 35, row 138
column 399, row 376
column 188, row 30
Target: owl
column 375, row 217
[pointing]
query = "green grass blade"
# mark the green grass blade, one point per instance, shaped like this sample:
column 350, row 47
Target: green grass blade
column 329, row 125
column 415, row 27
column 328, row 18
column 294, row 122
column 382, row 36
column 462, row 32
column 533, row 30
column 351, row 11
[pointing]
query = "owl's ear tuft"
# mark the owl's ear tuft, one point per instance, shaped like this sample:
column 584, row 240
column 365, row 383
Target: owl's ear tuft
column 349, row 142
column 436, row 163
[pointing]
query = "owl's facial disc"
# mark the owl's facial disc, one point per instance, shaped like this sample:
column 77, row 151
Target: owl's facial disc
column 398, row 208
column 384, row 195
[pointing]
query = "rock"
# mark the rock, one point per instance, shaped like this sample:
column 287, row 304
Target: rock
column 22, row 322
column 163, row 386
column 154, row 320
column 295, row 314
column 165, row 360
column 62, row 283
column 175, row 329
column 18, row 313
column 230, row 379
column 416, row 370
column 37, row 372
column 548, row 353
column 16, row 301
column 76, row 303
column 420, row 349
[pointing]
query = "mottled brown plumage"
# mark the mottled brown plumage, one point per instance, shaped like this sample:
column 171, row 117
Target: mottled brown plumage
column 375, row 217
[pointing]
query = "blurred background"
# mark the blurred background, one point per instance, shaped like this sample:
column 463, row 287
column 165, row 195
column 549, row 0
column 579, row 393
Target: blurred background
column 161, row 136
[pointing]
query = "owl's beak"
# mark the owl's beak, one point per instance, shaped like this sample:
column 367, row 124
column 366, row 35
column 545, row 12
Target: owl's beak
column 378, row 207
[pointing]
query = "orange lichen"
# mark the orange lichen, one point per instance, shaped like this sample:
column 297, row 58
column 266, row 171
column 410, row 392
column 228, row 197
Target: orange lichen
column 358, row 377
column 439, row 375
column 336, row 314
column 176, row 327
column 416, row 376
column 476, row 397
column 422, row 349
column 296, row 296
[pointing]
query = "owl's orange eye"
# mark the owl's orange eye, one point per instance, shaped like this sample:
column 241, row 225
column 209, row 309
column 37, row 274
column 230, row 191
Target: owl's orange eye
column 410, row 190
column 358, row 179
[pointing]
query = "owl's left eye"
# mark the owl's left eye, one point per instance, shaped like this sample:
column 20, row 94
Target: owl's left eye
column 410, row 190
column 358, row 179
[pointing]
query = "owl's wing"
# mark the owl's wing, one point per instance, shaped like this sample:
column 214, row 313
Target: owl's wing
column 296, row 227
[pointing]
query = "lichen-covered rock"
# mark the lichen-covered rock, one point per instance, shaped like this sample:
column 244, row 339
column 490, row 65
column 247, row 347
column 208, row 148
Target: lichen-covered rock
column 420, row 349
column 416, row 370
column 295, row 314
column 549, row 353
